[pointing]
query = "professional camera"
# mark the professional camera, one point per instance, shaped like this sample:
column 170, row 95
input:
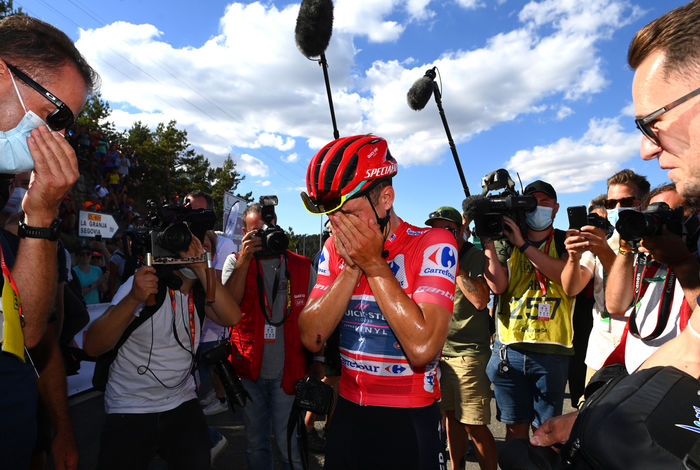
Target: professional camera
column 487, row 210
column 274, row 240
column 311, row 394
column 633, row 226
column 171, row 227
column 601, row 223
column 218, row 357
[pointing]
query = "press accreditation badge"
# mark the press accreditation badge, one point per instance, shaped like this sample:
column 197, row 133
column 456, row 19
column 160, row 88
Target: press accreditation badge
column 544, row 312
column 270, row 333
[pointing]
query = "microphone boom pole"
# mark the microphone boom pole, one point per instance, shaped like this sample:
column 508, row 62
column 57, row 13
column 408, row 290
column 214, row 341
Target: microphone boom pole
column 324, row 64
column 438, row 100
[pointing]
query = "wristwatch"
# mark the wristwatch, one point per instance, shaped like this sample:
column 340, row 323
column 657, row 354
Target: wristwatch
column 524, row 246
column 48, row 233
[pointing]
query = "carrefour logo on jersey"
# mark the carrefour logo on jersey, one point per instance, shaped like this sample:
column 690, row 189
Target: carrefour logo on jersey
column 398, row 267
column 323, row 263
column 440, row 260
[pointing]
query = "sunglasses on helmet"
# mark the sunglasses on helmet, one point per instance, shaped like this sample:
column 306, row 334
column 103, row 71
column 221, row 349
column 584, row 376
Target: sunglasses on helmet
column 61, row 117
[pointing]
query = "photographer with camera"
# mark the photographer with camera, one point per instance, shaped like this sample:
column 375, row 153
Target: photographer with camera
column 390, row 286
column 655, row 285
column 271, row 284
column 591, row 255
column 150, row 396
column 530, row 359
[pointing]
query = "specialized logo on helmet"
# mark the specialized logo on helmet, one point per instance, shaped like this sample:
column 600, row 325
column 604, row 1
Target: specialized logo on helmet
column 398, row 268
column 383, row 171
column 440, row 260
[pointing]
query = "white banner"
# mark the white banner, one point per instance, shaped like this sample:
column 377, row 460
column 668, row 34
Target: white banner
column 233, row 224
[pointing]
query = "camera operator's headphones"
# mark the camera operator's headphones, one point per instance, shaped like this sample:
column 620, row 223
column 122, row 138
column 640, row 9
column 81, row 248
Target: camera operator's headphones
column 346, row 168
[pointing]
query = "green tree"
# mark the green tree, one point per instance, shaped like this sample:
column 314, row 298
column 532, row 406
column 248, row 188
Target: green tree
column 7, row 8
column 94, row 116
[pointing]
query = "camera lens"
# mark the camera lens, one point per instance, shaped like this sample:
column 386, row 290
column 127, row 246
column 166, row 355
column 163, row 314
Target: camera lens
column 176, row 237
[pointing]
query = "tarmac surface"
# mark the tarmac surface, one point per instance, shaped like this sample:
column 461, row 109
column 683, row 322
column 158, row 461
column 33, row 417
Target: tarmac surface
column 87, row 412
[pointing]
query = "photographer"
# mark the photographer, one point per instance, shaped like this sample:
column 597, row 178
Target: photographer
column 530, row 359
column 661, row 304
column 591, row 255
column 271, row 284
column 150, row 395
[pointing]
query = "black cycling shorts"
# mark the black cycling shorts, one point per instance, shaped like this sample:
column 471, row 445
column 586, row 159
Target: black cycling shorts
column 362, row 437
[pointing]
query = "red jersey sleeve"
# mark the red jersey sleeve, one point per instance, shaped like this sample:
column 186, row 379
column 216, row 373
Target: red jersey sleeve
column 435, row 280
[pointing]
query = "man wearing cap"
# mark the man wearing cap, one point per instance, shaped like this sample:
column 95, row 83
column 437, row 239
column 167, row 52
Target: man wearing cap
column 466, row 390
column 531, row 353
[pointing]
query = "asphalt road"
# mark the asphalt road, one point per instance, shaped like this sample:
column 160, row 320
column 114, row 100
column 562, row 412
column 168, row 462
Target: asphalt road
column 87, row 412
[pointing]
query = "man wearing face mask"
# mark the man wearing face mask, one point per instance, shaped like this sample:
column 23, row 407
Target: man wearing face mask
column 466, row 390
column 43, row 84
column 530, row 359
column 591, row 255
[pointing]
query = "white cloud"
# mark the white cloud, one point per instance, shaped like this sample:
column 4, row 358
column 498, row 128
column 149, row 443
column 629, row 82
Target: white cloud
column 599, row 151
column 564, row 112
column 291, row 158
column 470, row 4
column 264, row 183
column 232, row 98
column 252, row 166
column 366, row 18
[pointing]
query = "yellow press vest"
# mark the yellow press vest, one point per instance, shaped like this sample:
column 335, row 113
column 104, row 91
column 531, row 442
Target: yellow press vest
column 526, row 315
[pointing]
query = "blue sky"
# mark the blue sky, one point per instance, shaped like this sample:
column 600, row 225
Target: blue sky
column 541, row 88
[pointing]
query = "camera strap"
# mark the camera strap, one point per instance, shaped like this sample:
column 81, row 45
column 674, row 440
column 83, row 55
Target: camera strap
column 262, row 294
column 666, row 298
column 190, row 308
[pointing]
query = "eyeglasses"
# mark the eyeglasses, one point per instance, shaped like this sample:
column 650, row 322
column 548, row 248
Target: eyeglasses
column 624, row 202
column 332, row 201
column 60, row 118
column 644, row 124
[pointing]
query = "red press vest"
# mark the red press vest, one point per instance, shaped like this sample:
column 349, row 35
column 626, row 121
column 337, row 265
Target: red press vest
column 248, row 336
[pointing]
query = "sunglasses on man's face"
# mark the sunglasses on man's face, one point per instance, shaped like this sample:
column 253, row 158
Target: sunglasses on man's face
column 624, row 202
column 646, row 124
column 61, row 117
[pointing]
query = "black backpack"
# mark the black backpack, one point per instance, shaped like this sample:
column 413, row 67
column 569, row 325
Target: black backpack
column 647, row 420
column 104, row 361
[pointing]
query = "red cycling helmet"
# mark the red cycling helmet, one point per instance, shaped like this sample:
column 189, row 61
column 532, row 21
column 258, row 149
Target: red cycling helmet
column 346, row 168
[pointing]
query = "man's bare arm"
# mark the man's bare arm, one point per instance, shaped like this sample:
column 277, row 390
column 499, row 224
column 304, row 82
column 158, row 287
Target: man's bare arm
column 55, row 171
column 474, row 289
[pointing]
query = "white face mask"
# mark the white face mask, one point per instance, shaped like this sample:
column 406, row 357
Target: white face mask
column 540, row 218
column 13, row 143
column 188, row 273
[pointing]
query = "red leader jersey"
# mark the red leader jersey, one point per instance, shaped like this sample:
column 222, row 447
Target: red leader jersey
column 375, row 369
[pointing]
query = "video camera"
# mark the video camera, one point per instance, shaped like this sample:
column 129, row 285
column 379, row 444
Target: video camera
column 633, row 226
column 274, row 241
column 171, row 227
column 487, row 211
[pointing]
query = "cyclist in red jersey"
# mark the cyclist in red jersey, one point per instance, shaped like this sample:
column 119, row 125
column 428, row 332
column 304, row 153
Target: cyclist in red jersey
column 390, row 286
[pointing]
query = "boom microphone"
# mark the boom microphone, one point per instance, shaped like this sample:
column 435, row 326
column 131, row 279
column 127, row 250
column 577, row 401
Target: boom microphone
column 421, row 91
column 314, row 27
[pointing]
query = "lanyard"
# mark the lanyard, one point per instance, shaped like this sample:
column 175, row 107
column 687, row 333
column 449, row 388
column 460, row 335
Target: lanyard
column 262, row 293
column 8, row 275
column 190, row 308
column 541, row 278
column 664, row 306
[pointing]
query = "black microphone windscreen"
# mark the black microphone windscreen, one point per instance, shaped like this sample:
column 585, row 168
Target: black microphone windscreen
column 470, row 206
column 314, row 27
column 420, row 93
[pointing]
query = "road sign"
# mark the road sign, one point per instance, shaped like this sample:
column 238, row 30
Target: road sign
column 94, row 223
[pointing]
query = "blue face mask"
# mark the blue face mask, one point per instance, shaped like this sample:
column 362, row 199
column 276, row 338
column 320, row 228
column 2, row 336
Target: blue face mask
column 14, row 150
column 614, row 214
column 540, row 218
